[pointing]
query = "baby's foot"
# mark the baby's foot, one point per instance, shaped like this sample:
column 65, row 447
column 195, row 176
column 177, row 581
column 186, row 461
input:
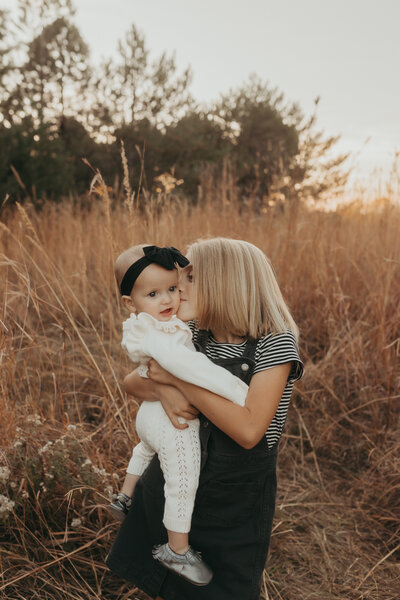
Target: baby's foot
column 189, row 565
column 120, row 506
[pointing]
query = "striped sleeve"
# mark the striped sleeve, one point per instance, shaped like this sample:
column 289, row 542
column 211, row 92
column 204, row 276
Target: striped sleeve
column 193, row 328
column 278, row 349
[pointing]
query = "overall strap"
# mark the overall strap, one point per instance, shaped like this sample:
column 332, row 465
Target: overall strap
column 202, row 339
column 242, row 366
column 250, row 349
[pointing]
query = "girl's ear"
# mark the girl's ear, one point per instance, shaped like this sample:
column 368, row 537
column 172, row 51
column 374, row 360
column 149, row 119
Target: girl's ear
column 127, row 300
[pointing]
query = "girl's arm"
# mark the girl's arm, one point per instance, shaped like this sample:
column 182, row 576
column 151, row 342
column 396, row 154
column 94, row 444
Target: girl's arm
column 247, row 424
column 174, row 402
column 140, row 387
column 170, row 351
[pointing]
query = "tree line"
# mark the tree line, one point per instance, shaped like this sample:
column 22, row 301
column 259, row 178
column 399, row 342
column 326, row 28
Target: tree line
column 57, row 108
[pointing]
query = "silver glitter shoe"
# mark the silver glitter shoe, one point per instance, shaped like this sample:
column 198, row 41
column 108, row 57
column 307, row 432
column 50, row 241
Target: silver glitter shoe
column 120, row 506
column 190, row 565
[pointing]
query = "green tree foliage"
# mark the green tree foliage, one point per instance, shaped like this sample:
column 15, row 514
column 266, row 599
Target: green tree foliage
column 52, row 71
column 55, row 109
column 78, row 144
column 264, row 134
column 185, row 148
column 33, row 162
column 60, row 55
column 144, row 150
column 9, row 46
column 132, row 88
column 192, row 145
column 5, row 51
column 317, row 170
column 278, row 154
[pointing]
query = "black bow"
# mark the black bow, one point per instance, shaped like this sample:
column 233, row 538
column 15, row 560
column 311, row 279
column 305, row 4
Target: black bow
column 165, row 257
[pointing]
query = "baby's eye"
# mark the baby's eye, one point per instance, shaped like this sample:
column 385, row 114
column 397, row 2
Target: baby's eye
column 173, row 288
column 152, row 294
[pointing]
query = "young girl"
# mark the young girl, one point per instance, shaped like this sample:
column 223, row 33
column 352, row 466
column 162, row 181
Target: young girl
column 243, row 324
column 148, row 281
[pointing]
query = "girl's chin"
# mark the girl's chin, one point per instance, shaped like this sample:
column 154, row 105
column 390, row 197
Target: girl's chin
column 185, row 315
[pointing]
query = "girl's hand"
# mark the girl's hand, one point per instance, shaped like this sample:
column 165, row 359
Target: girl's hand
column 176, row 406
column 158, row 374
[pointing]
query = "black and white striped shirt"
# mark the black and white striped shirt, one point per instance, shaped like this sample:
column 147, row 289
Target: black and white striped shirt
column 271, row 350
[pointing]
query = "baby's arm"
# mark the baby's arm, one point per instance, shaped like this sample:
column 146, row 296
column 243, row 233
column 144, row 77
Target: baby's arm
column 170, row 351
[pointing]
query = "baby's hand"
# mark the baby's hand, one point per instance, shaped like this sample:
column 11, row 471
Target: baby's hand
column 143, row 371
column 178, row 409
column 158, row 374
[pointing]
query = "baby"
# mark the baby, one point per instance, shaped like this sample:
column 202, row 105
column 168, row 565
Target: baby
column 148, row 280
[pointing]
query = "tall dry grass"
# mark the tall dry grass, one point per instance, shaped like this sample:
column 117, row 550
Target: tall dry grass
column 67, row 429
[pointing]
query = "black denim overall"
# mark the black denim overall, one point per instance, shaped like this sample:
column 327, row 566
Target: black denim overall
column 232, row 517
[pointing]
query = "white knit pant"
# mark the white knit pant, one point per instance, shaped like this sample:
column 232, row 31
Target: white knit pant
column 179, row 455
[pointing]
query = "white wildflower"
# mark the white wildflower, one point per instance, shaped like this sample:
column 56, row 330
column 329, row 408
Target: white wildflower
column 6, row 506
column 45, row 447
column 115, row 476
column 71, row 427
column 101, row 472
column 34, row 419
column 18, row 444
column 76, row 523
column 86, row 463
column 4, row 474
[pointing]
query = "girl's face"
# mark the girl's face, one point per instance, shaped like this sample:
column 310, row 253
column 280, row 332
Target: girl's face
column 156, row 293
column 187, row 308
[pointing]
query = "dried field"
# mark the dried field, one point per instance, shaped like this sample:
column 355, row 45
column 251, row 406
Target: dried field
column 66, row 427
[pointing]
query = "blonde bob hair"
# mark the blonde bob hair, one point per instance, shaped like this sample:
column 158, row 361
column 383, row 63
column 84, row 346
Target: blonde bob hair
column 236, row 290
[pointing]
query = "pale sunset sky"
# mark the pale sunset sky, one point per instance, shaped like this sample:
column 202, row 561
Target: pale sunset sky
column 345, row 51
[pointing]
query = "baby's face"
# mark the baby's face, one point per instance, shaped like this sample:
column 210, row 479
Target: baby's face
column 156, row 292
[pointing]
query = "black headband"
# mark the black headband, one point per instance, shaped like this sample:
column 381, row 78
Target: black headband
column 165, row 257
